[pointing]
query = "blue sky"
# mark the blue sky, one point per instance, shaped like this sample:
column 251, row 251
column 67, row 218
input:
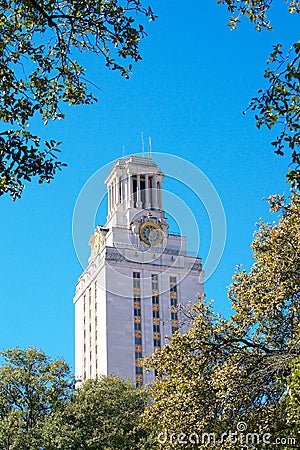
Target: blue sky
column 188, row 94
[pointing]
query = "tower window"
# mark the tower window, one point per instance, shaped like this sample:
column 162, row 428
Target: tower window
column 143, row 193
column 134, row 187
column 136, row 282
column 151, row 192
column 155, row 311
column 155, row 300
column 174, row 304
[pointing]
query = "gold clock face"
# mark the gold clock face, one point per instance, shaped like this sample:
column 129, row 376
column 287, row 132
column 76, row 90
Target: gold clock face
column 151, row 234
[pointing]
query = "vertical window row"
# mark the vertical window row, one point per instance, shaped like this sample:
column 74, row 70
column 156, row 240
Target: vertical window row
column 137, row 328
column 174, row 304
column 90, row 344
column 155, row 313
column 96, row 328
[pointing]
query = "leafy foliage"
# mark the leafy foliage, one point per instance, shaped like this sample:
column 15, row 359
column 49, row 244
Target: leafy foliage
column 32, row 387
column 40, row 43
column 293, row 396
column 255, row 10
column 266, row 300
column 279, row 103
column 102, row 415
column 226, row 372
column 40, row 409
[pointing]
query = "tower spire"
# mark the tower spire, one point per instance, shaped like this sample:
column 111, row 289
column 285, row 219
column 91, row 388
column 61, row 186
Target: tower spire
column 143, row 144
column 149, row 147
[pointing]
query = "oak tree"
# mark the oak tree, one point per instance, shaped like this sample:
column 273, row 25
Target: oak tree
column 103, row 414
column 40, row 408
column 32, row 387
column 42, row 45
column 224, row 373
column 293, row 397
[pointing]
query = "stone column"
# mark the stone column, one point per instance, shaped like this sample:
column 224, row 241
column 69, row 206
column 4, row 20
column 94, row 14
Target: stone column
column 126, row 190
column 117, row 190
column 123, row 193
column 130, row 191
column 138, row 191
column 154, row 190
column 109, row 199
column 147, row 203
column 159, row 192
column 112, row 195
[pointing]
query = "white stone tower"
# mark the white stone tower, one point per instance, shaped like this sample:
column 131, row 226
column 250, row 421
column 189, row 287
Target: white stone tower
column 127, row 300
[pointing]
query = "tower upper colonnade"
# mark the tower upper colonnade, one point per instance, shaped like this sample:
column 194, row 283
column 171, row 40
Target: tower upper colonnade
column 134, row 182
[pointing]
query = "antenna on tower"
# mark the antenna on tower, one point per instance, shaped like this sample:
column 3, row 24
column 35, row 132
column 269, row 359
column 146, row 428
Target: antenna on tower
column 149, row 147
column 143, row 144
column 123, row 150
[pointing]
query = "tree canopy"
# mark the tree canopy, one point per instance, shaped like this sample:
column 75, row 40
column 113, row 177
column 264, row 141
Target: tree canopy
column 40, row 408
column 224, row 373
column 278, row 104
column 41, row 44
column 32, row 387
column 293, row 396
column 103, row 414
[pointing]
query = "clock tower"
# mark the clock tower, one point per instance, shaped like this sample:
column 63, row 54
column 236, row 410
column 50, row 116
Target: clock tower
column 127, row 301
